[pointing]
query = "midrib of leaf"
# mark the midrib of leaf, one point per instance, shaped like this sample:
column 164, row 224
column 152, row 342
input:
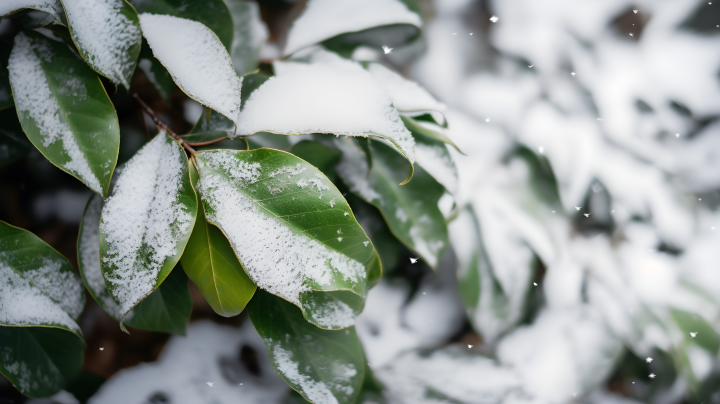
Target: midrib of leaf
column 212, row 265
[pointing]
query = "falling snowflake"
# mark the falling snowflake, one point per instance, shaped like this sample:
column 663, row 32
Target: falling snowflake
column 210, row 383
column 693, row 334
column 487, row 119
column 648, row 359
column 631, row 34
column 586, row 214
column 494, row 19
column 531, row 66
column 387, row 49
column 471, row 33
column 470, row 346
column 534, row 283
column 413, row 260
column 573, row 73
column 102, row 348
column 635, row 11
column 677, row 135
column 599, row 119
column 651, row 375
column 578, row 208
column 240, row 384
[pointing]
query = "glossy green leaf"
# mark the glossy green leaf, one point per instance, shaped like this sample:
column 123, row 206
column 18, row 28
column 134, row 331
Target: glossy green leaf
column 705, row 334
column 212, row 13
column 292, row 230
column 324, row 366
column 250, row 34
column 211, row 264
column 41, row 298
column 168, row 307
column 146, row 222
column 13, row 143
column 107, row 35
column 155, row 72
column 319, row 155
column 64, row 110
column 52, row 7
column 410, row 210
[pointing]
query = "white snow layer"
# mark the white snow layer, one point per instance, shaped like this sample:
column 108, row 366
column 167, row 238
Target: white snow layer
column 324, row 19
column 104, row 36
column 209, row 353
column 437, row 162
column 277, row 257
column 197, row 61
column 316, row 391
column 52, row 7
column 55, row 299
column 406, row 95
column 330, row 95
column 143, row 220
column 89, row 258
column 34, row 100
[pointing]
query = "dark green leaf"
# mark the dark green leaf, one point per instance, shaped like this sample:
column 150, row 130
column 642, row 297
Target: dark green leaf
column 251, row 82
column 319, row 155
column 107, row 35
column 421, row 129
column 6, row 98
column 167, row 309
column 394, row 36
column 269, row 140
column 249, row 35
column 13, row 143
column 213, row 13
column 705, row 336
column 410, row 210
column 64, row 110
column 211, row 126
column 53, row 7
column 319, row 364
column 211, row 264
column 155, row 72
column 147, row 222
column 41, row 298
column 291, row 229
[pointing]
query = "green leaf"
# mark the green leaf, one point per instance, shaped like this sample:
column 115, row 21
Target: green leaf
column 210, row 126
column 52, row 7
column 41, row 298
column 64, row 110
column 324, row 366
column 251, row 82
column 250, row 34
column 395, row 26
column 706, row 336
column 212, row 13
column 196, row 59
column 427, row 130
column 292, row 230
column 167, row 309
column 107, row 35
column 13, row 143
column 211, row 264
column 411, row 210
column 146, row 223
column 319, row 155
column 155, row 72
column 39, row 361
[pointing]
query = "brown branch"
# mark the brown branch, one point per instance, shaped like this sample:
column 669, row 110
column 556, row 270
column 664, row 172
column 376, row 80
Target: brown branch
column 198, row 144
column 164, row 126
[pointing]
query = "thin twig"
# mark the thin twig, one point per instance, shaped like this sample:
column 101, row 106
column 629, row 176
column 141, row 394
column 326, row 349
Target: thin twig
column 162, row 125
column 198, row 144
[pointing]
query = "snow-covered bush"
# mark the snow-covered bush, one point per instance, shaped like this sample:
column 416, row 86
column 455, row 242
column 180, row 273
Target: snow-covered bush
column 535, row 225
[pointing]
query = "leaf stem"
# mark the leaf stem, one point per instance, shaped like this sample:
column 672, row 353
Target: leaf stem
column 198, row 144
column 163, row 125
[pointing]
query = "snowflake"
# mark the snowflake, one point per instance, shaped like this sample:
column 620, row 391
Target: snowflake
column 494, row 19
column 387, row 49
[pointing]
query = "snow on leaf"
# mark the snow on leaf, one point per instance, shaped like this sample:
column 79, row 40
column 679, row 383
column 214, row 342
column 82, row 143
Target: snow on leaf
column 147, row 221
column 324, row 19
column 329, row 95
column 107, row 34
column 250, row 35
column 197, row 61
column 269, row 203
column 52, row 7
column 406, row 95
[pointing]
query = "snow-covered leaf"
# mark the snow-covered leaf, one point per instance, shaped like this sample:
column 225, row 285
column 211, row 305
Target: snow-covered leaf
column 433, row 156
column 326, row 367
column 214, row 14
column 406, row 95
column 155, row 72
column 13, row 142
column 41, row 299
column 167, row 309
column 410, row 210
column 52, row 7
column 331, row 95
column 107, row 34
column 325, row 19
column 249, row 36
column 291, row 229
column 146, row 223
column 197, row 60
column 54, row 93
column 211, row 264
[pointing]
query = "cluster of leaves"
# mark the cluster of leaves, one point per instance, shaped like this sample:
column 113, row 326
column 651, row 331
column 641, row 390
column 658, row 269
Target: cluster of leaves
column 274, row 226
